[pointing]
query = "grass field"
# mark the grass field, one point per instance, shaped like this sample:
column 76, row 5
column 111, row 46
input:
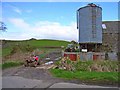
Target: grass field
column 31, row 45
column 47, row 43
column 40, row 43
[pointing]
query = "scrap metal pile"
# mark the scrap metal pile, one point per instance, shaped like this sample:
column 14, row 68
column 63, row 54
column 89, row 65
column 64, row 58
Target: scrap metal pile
column 33, row 60
column 42, row 59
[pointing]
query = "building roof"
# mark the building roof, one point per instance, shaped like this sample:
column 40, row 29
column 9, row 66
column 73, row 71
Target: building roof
column 110, row 26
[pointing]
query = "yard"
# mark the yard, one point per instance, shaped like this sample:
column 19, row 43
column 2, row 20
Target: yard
column 94, row 72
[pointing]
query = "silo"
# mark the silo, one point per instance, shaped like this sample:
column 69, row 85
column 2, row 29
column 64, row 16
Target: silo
column 89, row 24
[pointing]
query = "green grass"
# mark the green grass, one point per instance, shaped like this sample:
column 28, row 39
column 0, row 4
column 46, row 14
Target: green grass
column 27, row 45
column 48, row 43
column 86, row 76
column 82, row 71
column 6, row 51
column 10, row 64
column 40, row 43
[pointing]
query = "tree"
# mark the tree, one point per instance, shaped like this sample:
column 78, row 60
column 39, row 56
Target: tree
column 73, row 42
column 33, row 39
column 2, row 26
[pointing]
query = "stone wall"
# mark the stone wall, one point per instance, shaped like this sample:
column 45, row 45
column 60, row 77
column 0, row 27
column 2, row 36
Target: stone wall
column 110, row 36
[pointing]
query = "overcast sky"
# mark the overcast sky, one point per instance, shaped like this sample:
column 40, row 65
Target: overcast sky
column 47, row 20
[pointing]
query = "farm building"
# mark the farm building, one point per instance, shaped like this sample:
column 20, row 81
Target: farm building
column 110, row 40
column 98, row 38
column 95, row 35
column 110, row 36
column 110, row 33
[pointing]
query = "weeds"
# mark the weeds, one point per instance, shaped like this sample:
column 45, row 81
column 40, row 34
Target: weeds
column 99, row 66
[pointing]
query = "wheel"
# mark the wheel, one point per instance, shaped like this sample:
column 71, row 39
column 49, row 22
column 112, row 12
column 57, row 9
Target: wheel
column 35, row 63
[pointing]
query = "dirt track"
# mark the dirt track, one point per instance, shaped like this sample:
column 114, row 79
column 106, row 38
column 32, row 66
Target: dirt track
column 30, row 73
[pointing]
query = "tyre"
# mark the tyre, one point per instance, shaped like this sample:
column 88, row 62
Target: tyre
column 35, row 63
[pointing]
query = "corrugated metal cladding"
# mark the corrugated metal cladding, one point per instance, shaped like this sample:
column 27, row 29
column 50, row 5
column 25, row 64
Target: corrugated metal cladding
column 89, row 21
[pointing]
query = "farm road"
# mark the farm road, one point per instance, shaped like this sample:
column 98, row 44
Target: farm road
column 29, row 77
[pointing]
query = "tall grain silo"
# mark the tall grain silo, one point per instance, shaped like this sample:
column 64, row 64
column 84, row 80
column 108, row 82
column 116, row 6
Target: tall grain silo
column 89, row 24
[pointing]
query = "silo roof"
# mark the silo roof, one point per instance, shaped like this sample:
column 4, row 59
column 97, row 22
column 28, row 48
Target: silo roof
column 90, row 5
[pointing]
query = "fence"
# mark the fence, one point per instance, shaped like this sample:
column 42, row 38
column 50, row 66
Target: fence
column 91, row 55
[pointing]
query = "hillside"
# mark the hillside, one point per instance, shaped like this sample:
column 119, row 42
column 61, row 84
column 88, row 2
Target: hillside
column 10, row 47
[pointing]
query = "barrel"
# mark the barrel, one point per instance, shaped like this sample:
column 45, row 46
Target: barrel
column 95, row 57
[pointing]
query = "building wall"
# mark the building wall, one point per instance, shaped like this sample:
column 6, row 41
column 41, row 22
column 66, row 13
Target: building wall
column 110, row 36
column 90, row 24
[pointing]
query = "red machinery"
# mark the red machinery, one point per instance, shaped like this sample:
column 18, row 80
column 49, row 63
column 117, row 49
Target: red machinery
column 32, row 61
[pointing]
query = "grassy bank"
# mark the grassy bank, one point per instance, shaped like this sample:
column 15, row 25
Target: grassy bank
column 93, row 77
column 10, row 64
column 101, row 71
